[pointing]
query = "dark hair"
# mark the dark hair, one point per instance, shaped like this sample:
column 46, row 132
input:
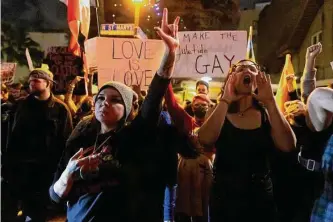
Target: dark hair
column 87, row 105
column 201, row 82
column 16, row 86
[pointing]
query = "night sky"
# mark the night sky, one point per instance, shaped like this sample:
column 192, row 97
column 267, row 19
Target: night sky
column 36, row 15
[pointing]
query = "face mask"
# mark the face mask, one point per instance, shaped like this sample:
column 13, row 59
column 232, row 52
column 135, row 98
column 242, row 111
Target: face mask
column 200, row 112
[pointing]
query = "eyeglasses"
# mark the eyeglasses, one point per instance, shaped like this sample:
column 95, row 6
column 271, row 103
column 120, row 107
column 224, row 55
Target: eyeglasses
column 254, row 67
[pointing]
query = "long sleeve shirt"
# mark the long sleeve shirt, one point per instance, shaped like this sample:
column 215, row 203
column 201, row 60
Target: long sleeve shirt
column 183, row 121
column 308, row 84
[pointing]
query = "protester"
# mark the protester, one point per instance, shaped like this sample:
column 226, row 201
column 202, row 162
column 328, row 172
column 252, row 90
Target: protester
column 300, row 180
column 99, row 174
column 292, row 90
column 244, row 133
column 14, row 92
column 41, row 126
column 194, row 171
column 320, row 108
column 308, row 79
column 201, row 87
column 322, row 211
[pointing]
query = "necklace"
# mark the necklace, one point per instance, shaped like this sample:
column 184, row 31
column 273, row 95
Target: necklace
column 101, row 145
column 241, row 113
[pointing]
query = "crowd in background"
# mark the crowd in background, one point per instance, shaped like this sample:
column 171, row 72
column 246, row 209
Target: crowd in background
column 128, row 155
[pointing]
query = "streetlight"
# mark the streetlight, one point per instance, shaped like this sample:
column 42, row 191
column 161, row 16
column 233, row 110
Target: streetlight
column 137, row 4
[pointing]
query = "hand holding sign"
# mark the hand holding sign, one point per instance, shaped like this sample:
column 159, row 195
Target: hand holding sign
column 169, row 35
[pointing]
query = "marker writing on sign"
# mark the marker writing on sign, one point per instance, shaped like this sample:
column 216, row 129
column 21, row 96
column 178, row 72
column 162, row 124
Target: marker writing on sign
column 128, row 50
column 188, row 37
column 203, row 68
column 138, row 78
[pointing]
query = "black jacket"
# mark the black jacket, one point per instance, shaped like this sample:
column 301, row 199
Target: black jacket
column 126, row 180
column 39, row 133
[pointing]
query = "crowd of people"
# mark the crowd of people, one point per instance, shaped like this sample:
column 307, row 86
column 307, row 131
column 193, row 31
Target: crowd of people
column 124, row 155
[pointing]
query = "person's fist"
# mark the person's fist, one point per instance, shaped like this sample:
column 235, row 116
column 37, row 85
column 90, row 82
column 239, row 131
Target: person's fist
column 313, row 51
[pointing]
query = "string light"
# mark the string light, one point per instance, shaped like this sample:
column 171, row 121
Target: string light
column 115, row 5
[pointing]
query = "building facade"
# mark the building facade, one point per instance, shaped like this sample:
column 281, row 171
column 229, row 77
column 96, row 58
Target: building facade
column 290, row 27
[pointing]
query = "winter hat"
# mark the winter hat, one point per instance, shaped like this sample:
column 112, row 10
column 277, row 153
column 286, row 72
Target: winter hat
column 126, row 94
column 42, row 73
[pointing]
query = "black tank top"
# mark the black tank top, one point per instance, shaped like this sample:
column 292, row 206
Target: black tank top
column 243, row 154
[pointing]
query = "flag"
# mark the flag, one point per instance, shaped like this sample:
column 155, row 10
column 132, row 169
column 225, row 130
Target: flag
column 249, row 51
column 78, row 17
column 282, row 94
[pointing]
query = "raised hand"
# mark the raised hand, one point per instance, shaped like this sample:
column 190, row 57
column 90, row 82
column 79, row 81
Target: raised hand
column 229, row 93
column 78, row 161
column 169, row 32
column 169, row 35
column 313, row 51
column 290, row 82
column 265, row 91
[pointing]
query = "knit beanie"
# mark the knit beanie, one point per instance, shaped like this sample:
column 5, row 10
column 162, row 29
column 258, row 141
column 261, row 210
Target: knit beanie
column 125, row 92
column 42, row 73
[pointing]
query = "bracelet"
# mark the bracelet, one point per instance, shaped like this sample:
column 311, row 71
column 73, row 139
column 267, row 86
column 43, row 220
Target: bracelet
column 225, row 100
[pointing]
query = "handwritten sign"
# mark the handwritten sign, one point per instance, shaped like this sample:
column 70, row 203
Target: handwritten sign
column 65, row 66
column 130, row 61
column 8, row 72
column 209, row 53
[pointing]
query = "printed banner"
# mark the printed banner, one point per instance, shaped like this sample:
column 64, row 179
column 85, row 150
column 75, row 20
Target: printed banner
column 8, row 72
column 209, row 53
column 130, row 61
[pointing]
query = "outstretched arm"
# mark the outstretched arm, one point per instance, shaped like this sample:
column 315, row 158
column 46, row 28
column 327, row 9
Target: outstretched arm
column 181, row 118
column 308, row 79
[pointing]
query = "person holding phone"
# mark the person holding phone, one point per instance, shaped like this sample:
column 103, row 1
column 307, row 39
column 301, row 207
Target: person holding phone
column 245, row 126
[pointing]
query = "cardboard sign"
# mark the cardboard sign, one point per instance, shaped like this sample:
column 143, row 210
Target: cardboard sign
column 209, row 53
column 65, row 66
column 8, row 72
column 130, row 61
